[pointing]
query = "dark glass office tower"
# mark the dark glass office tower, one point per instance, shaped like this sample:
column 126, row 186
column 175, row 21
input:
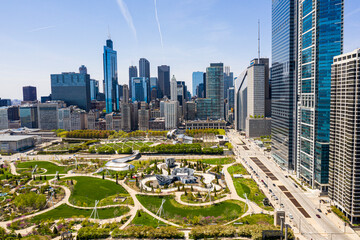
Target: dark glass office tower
column 283, row 77
column 164, row 80
column 320, row 39
column 132, row 73
column 144, row 71
column 111, row 79
column 29, row 93
column 215, row 89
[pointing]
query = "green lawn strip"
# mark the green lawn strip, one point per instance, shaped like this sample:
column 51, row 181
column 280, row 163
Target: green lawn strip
column 249, row 186
column 35, row 237
column 51, row 168
column 237, row 169
column 214, row 161
column 89, row 189
column 228, row 210
column 257, row 219
column 146, row 219
column 65, row 211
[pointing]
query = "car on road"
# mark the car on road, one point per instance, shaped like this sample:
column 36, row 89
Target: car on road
column 318, row 216
column 286, row 176
column 295, row 185
column 276, row 198
column 274, row 185
column 291, row 216
column 282, row 205
column 270, row 190
column 319, row 210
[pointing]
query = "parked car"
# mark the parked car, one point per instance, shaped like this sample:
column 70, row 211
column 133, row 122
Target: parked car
column 282, row 205
column 318, row 215
column 291, row 216
column 319, row 210
column 295, row 185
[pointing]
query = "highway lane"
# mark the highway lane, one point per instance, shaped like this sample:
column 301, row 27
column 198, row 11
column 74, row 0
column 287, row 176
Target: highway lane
column 316, row 228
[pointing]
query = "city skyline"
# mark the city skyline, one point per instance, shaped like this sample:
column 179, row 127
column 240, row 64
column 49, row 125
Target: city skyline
column 189, row 31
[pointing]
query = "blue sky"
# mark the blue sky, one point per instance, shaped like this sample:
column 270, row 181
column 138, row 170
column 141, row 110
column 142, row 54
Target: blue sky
column 41, row 37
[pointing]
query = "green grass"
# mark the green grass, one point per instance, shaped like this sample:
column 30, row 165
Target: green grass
column 175, row 211
column 50, row 167
column 258, row 219
column 65, row 211
column 249, row 186
column 132, row 144
column 65, row 146
column 35, row 237
column 89, row 189
column 237, row 169
column 215, row 161
column 146, row 220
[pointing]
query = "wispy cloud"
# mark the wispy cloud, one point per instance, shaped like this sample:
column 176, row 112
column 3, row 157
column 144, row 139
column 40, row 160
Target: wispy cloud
column 126, row 14
column 353, row 12
column 39, row 29
column 158, row 23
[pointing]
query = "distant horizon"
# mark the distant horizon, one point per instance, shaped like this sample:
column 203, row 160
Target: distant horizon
column 52, row 37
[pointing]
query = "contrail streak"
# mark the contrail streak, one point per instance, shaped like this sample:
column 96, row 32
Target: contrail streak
column 158, row 23
column 126, row 14
column 39, row 29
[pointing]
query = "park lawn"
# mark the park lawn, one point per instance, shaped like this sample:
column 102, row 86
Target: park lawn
column 65, row 211
column 249, row 186
column 146, row 220
column 257, row 219
column 174, row 211
column 51, row 168
column 237, row 168
column 89, row 189
column 215, row 161
column 35, row 237
column 63, row 146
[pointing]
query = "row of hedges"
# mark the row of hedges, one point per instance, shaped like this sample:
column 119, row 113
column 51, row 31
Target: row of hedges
column 221, row 231
column 89, row 134
column 194, row 148
column 207, row 131
column 109, row 150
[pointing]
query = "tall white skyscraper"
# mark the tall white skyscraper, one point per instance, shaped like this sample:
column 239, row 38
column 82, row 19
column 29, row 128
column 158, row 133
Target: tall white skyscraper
column 173, row 89
column 171, row 114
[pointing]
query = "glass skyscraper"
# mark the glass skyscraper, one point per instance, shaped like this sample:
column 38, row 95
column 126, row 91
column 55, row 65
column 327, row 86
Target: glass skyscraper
column 320, row 38
column 139, row 89
column 132, row 73
column 283, row 86
column 111, row 78
column 164, row 80
column 197, row 79
column 215, row 89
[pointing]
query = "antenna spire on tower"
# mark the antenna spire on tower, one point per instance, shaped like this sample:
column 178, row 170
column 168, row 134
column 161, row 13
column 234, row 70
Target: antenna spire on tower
column 109, row 36
column 258, row 41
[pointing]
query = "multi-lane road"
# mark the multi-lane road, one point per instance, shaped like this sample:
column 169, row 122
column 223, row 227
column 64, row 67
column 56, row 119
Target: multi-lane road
column 305, row 217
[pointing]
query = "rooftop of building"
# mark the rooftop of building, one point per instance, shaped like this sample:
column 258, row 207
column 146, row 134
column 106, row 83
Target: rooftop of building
column 13, row 138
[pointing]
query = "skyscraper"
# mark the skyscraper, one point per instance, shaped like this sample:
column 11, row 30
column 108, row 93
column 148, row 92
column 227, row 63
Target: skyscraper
column 29, row 93
column 29, row 116
column 320, row 39
column 344, row 177
column 144, row 71
column 72, row 88
column 173, row 89
column 111, row 79
column 139, row 89
column 228, row 80
column 94, row 89
column 197, row 79
column 82, row 69
column 215, row 89
column 164, row 80
column 48, row 116
column 284, row 87
column 132, row 73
